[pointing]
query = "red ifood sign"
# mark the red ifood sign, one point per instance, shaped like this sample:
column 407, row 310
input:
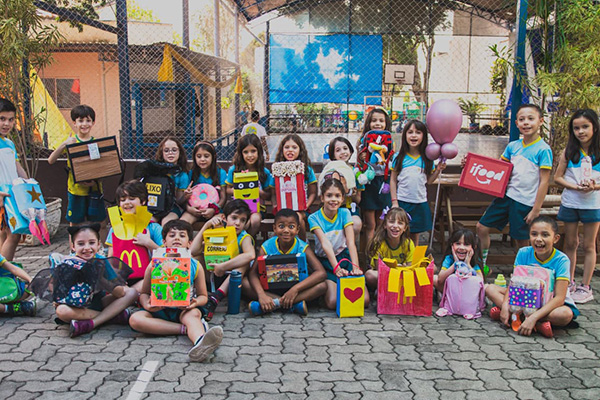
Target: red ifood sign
column 486, row 175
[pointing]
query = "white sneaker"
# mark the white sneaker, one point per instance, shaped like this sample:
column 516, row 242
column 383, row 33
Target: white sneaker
column 207, row 345
column 582, row 294
column 572, row 287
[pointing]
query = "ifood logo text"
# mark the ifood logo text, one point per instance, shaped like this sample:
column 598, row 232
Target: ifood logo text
column 484, row 176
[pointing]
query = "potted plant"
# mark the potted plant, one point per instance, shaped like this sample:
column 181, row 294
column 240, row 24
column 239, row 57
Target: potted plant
column 472, row 108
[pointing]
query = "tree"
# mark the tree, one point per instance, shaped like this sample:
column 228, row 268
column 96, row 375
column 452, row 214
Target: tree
column 136, row 13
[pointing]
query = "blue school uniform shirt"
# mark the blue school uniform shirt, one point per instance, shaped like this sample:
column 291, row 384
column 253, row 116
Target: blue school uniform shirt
column 240, row 238
column 332, row 228
column 8, row 161
column 268, row 183
column 574, row 198
column 2, row 260
column 271, row 247
column 154, row 229
column 412, row 180
column 527, row 160
column 181, row 179
column 207, row 179
column 449, row 260
column 310, row 176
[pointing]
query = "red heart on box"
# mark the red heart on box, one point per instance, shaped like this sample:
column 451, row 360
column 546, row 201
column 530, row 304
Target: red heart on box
column 353, row 294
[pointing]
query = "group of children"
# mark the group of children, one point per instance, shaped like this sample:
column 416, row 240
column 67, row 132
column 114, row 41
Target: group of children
column 391, row 224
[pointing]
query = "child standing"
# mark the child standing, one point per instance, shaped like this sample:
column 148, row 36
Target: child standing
column 391, row 240
column 528, row 184
column 412, row 173
column 236, row 214
column 81, row 196
column 254, row 128
column 184, row 320
column 292, row 148
column 10, row 169
column 341, row 149
column 104, row 308
column 463, row 246
column 334, row 244
column 205, row 170
column 374, row 199
column 249, row 157
column 18, row 306
column 286, row 241
column 580, row 199
column 171, row 150
column 133, row 194
column 559, row 311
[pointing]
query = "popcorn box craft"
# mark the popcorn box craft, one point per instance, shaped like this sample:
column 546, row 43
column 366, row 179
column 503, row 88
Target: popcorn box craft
column 406, row 290
column 171, row 280
column 544, row 275
column 246, row 187
column 282, row 271
column 486, row 175
column 289, row 185
column 220, row 245
column 351, row 296
column 95, row 159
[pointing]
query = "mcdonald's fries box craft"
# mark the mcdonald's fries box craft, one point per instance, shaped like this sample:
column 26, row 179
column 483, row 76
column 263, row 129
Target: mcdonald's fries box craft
column 486, row 175
column 246, row 187
column 406, row 290
column 220, row 245
column 289, row 185
column 95, row 159
column 351, row 296
column 171, row 282
column 282, row 271
column 125, row 228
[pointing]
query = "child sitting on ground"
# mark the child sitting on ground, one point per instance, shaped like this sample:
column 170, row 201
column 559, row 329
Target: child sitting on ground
column 286, row 241
column 179, row 321
column 237, row 214
column 561, row 310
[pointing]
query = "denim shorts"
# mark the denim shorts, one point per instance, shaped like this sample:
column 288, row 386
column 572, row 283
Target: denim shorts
column 567, row 214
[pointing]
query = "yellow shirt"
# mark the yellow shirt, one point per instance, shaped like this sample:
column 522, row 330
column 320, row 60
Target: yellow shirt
column 403, row 253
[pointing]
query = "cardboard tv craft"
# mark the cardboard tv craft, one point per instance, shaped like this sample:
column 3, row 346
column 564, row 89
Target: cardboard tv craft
column 351, row 296
column 282, row 271
column 246, row 187
column 220, row 245
column 171, row 280
column 486, row 175
column 96, row 159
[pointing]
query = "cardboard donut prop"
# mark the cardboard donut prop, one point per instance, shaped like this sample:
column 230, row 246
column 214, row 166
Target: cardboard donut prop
column 203, row 195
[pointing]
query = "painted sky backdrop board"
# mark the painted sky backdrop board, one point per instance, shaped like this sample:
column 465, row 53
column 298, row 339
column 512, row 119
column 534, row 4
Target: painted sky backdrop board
column 333, row 67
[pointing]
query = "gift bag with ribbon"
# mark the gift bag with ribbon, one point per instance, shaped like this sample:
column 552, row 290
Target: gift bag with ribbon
column 405, row 290
column 351, row 296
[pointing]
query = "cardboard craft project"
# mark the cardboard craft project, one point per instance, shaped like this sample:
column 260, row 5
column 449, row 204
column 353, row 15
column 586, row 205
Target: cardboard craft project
column 220, row 245
column 289, row 185
column 406, row 290
column 525, row 294
column 125, row 228
column 95, row 159
column 157, row 187
column 203, row 195
column 246, row 187
column 351, row 296
column 171, row 282
column 544, row 275
column 486, row 175
column 30, row 201
column 17, row 222
column 282, row 271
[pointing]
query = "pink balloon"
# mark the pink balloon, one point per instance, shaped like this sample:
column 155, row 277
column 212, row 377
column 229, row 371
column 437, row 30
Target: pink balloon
column 444, row 119
column 433, row 151
column 449, row 150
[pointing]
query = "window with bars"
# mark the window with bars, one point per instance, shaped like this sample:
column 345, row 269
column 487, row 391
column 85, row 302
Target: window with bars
column 64, row 92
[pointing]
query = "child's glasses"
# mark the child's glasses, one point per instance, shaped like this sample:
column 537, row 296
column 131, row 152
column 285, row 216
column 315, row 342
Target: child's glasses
column 167, row 151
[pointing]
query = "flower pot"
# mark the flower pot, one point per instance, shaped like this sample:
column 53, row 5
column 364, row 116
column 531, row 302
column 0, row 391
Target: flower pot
column 53, row 215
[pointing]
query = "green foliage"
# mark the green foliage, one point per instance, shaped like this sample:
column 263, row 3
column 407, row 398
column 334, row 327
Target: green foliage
column 24, row 37
column 472, row 108
column 137, row 13
column 87, row 8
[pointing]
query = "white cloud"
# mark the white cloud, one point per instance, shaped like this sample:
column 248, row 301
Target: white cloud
column 329, row 66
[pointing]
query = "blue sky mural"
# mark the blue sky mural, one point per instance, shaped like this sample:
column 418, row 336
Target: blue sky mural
column 325, row 69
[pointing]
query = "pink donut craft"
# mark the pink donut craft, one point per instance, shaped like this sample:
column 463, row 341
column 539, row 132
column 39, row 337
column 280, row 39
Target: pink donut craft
column 203, row 195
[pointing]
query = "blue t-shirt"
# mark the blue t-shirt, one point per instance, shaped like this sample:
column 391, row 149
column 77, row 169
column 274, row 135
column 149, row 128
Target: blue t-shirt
column 271, row 247
column 240, row 238
column 310, row 176
column 332, row 228
column 2, row 260
column 154, row 229
column 8, row 161
column 268, row 183
column 182, row 180
column 207, row 179
column 527, row 160
column 449, row 260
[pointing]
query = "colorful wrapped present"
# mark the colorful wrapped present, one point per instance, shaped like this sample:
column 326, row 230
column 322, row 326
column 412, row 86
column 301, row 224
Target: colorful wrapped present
column 351, row 296
column 406, row 290
column 544, row 275
column 289, row 185
column 282, row 271
column 525, row 294
column 246, row 187
column 220, row 245
column 171, row 280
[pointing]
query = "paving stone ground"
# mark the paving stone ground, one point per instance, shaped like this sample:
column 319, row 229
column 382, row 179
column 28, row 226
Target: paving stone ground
column 284, row 356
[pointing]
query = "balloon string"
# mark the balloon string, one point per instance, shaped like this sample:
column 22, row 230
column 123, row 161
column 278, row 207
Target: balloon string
column 437, row 197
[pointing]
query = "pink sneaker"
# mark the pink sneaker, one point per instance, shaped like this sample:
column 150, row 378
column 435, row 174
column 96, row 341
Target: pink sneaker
column 572, row 287
column 80, row 327
column 582, row 294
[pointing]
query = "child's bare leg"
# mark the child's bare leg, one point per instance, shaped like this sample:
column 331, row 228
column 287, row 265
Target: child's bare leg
column 571, row 243
column 560, row 316
column 495, row 294
column 367, row 298
column 253, row 225
column 67, row 314
column 369, row 228
column 187, row 217
column 302, row 226
column 437, row 284
column 312, row 293
column 590, row 230
column 170, row 216
column 415, row 238
column 357, row 226
column 483, row 232
column 113, row 306
column 143, row 321
column 9, row 246
column 371, row 279
column 192, row 319
column 225, row 286
column 331, row 295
